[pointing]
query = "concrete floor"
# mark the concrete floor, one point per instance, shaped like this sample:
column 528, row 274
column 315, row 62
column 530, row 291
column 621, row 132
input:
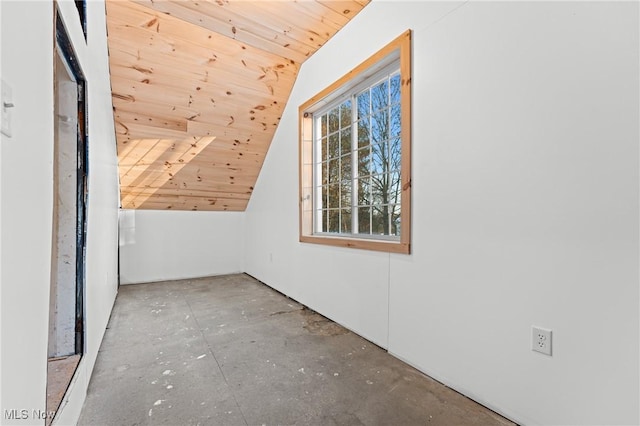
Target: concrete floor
column 231, row 351
column 59, row 374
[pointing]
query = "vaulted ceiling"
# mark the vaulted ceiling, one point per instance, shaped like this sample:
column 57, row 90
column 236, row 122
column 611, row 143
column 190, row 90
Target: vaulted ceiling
column 199, row 88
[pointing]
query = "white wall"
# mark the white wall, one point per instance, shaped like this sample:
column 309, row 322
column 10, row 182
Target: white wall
column 26, row 220
column 27, row 202
column 169, row 245
column 525, row 183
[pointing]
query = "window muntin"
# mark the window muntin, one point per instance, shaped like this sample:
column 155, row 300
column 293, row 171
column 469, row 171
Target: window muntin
column 355, row 156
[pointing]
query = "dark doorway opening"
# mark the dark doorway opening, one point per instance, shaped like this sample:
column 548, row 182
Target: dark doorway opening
column 81, row 5
column 66, row 309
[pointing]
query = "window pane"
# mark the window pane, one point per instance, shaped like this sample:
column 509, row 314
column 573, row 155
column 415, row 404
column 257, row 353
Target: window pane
column 380, row 220
column 395, row 220
column 364, row 220
column 379, row 158
column 395, row 121
column 363, row 104
column 395, row 157
column 345, row 194
column 345, row 221
column 323, row 125
column 394, row 89
column 333, row 196
column 324, row 196
column 364, row 191
column 345, row 168
column 380, row 189
column 333, row 171
column 364, row 161
column 323, row 177
column 345, row 114
column 333, row 120
column 380, row 126
column 380, row 96
column 364, row 138
column 334, row 221
column 395, row 188
column 345, row 141
column 324, row 220
column 324, row 150
column 334, row 145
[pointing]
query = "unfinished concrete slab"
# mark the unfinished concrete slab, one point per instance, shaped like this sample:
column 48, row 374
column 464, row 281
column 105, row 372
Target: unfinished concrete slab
column 59, row 374
column 229, row 350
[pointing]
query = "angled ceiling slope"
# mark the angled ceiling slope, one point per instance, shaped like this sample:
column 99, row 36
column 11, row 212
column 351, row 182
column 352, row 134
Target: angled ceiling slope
column 198, row 90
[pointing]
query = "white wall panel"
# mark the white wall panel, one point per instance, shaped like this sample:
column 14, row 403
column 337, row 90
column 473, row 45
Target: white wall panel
column 525, row 209
column 26, row 226
column 169, row 245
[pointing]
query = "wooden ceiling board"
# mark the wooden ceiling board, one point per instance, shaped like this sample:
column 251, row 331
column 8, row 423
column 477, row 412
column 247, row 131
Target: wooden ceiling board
column 274, row 21
column 177, row 192
column 214, row 99
column 277, row 19
column 198, row 90
column 189, row 203
column 228, row 118
column 129, row 14
column 163, row 151
column 218, row 57
column 268, row 83
column 147, row 63
column 134, row 130
column 202, row 127
column 178, row 201
column 180, row 191
column 162, row 122
column 346, row 7
column 234, row 26
column 323, row 13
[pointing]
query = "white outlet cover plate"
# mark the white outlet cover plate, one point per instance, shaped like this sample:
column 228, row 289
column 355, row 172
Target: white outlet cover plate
column 541, row 340
column 6, row 98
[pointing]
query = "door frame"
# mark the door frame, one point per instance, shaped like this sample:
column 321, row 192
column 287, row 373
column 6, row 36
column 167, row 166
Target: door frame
column 65, row 50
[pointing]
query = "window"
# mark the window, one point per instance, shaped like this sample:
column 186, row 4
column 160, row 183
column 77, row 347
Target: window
column 355, row 147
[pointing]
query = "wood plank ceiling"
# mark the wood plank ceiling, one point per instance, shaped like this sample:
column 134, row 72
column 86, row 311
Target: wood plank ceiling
column 198, row 90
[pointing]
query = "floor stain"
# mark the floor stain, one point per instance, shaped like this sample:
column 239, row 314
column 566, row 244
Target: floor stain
column 317, row 324
column 283, row 312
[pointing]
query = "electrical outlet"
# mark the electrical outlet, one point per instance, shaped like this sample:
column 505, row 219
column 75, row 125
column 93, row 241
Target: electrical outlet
column 541, row 340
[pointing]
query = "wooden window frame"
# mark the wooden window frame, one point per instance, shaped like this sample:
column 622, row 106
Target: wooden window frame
column 400, row 48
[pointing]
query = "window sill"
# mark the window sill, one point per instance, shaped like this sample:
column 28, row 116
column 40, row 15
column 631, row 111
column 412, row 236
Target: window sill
column 363, row 244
